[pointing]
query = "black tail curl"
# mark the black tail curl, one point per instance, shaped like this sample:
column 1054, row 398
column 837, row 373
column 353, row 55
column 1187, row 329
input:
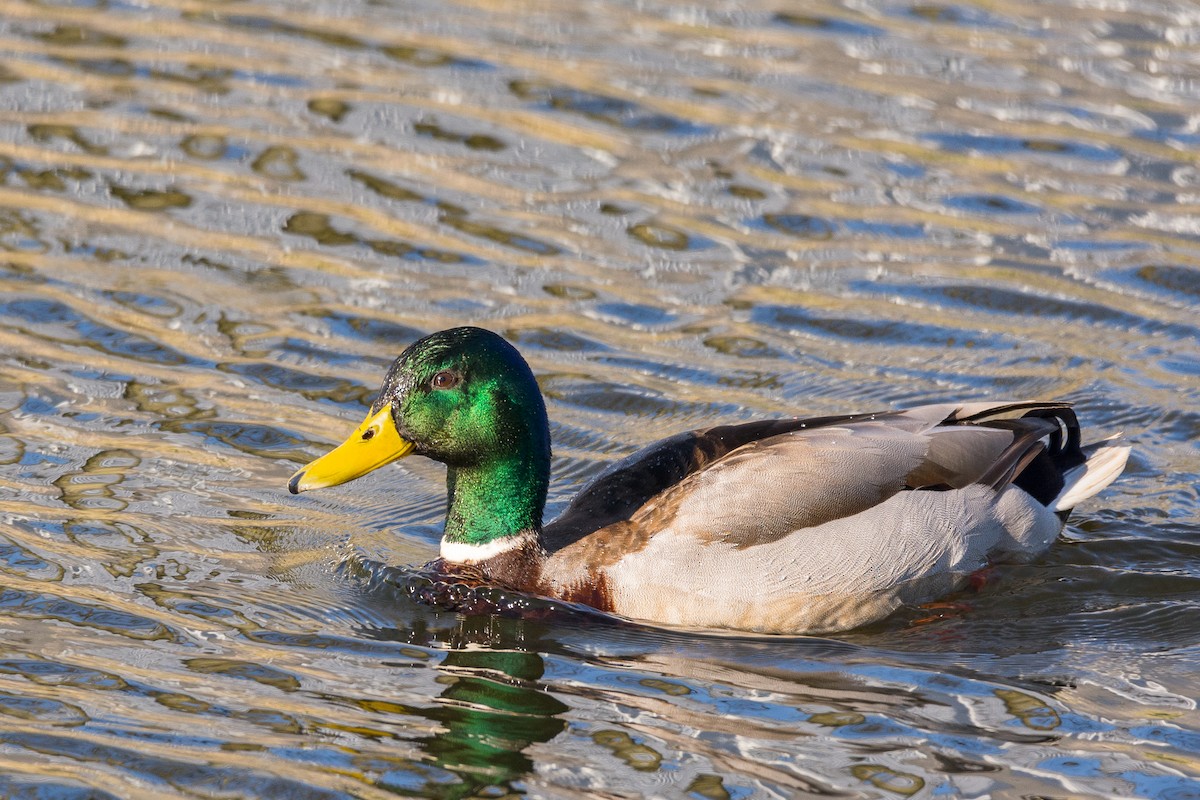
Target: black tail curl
column 1042, row 476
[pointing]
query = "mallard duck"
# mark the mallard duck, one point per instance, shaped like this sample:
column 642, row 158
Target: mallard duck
column 780, row 526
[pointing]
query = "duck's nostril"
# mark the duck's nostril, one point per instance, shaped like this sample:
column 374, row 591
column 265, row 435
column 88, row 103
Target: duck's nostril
column 368, row 434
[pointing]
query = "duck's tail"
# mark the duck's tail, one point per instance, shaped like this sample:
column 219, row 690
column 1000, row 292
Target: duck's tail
column 1103, row 462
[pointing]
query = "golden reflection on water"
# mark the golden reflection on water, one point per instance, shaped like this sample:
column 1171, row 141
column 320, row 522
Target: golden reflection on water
column 219, row 223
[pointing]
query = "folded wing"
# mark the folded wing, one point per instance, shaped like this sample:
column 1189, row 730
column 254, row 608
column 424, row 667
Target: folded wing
column 755, row 483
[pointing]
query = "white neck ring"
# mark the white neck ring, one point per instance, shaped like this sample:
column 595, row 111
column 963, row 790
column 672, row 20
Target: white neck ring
column 466, row 553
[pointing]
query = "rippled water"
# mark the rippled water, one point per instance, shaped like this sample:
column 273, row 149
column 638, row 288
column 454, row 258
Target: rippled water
column 219, row 221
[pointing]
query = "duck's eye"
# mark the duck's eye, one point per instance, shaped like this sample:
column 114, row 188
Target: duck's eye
column 444, row 380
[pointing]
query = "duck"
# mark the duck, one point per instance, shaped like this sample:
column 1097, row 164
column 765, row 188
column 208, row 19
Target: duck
column 780, row 526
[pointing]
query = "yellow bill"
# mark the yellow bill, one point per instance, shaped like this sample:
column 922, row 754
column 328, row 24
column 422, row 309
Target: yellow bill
column 373, row 444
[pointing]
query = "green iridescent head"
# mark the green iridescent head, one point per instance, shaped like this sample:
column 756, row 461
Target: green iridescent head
column 467, row 398
column 463, row 396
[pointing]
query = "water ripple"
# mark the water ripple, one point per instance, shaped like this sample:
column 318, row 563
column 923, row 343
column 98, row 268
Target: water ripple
column 218, row 226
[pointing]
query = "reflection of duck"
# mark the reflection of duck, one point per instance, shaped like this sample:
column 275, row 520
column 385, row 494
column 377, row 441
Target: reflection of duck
column 782, row 526
column 492, row 712
column 493, row 706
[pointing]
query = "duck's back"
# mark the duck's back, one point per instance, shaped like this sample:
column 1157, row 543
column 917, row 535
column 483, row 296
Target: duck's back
column 818, row 525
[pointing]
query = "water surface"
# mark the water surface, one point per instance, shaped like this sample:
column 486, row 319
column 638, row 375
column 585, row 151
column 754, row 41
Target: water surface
column 219, row 222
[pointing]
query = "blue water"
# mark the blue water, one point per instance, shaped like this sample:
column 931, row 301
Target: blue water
column 218, row 226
